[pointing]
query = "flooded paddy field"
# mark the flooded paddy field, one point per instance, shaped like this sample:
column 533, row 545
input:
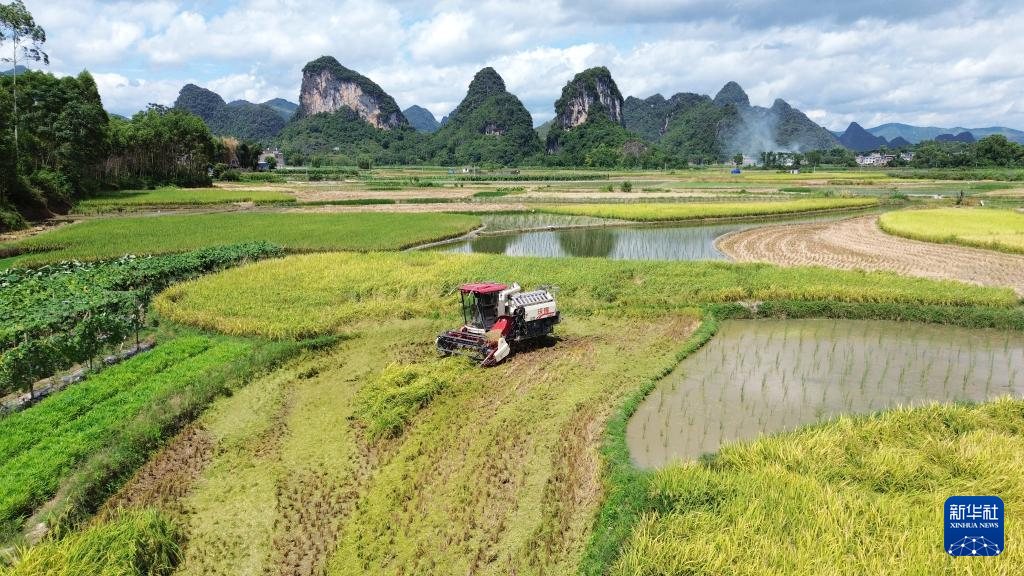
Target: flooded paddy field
column 554, row 235
column 758, row 377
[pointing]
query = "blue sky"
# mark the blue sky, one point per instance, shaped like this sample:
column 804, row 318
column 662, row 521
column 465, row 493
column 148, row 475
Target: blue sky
column 934, row 62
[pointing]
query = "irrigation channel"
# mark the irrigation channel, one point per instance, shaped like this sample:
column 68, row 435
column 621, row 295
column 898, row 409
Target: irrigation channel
column 553, row 235
column 766, row 376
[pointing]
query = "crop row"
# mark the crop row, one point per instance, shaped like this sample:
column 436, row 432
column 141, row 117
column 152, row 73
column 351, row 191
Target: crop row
column 43, row 445
column 143, row 542
column 56, row 316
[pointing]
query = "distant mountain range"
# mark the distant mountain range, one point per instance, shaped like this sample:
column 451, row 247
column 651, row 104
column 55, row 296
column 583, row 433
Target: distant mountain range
column 10, row 71
column 856, row 138
column 283, row 107
column 343, row 112
column 915, row 134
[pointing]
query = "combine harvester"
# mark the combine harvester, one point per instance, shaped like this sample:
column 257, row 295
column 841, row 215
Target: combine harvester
column 496, row 317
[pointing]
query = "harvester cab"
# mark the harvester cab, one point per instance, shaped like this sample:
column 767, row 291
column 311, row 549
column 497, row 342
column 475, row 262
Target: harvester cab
column 497, row 317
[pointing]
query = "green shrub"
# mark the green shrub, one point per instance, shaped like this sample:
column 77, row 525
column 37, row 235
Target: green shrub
column 231, row 175
column 11, row 220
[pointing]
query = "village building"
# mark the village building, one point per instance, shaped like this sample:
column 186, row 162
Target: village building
column 266, row 155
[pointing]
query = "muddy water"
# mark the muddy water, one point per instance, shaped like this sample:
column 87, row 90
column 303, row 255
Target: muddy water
column 764, row 376
column 637, row 242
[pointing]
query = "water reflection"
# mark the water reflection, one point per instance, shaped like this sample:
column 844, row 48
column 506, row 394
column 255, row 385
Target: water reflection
column 765, row 376
column 490, row 244
column 583, row 243
column 639, row 243
column 636, row 242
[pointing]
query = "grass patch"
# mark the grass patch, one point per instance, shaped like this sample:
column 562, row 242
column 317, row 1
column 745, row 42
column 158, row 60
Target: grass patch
column 499, row 192
column 330, row 293
column 173, row 196
column 700, row 211
column 106, row 238
column 1001, row 230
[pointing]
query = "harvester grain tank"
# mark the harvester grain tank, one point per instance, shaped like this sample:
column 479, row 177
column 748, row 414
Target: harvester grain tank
column 496, row 319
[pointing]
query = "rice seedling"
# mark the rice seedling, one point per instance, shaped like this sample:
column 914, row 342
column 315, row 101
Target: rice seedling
column 798, row 386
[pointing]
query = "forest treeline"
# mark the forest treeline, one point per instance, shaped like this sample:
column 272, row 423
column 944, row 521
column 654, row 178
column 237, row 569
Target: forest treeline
column 68, row 147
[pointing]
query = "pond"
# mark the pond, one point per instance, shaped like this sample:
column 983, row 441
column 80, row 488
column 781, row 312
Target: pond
column 765, row 376
column 604, row 238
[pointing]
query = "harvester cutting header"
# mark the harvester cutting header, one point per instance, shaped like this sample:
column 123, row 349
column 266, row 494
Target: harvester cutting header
column 497, row 317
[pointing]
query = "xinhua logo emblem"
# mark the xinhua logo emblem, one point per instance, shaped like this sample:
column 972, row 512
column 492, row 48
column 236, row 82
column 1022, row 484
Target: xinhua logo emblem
column 974, row 525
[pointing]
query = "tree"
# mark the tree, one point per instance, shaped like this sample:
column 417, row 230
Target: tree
column 813, row 158
column 271, row 162
column 27, row 37
column 738, row 159
column 996, row 150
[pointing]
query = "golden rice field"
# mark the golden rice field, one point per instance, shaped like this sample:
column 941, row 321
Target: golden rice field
column 982, row 228
column 700, row 211
column 325, row 293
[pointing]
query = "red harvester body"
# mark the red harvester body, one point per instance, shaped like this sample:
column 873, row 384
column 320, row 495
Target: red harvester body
column 495, row 318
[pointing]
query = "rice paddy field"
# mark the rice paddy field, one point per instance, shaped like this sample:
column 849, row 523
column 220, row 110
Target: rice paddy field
column 671, row 212
column 160, row 197
column 686, row 417
column 760, row 377
column 994, row 229
column 518, row 512
column 111, row 237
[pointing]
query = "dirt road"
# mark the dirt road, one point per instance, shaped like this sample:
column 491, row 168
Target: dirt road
column 859, row 244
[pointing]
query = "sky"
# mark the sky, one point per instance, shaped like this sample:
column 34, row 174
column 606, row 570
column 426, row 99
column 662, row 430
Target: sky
column 925, row 62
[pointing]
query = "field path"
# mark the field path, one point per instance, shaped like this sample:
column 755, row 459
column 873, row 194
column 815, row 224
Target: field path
column 859, row 244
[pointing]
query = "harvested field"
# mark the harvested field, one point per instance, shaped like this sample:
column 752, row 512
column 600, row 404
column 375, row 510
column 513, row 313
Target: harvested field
column 167, row 477
column 859, row 244
column 502, row 468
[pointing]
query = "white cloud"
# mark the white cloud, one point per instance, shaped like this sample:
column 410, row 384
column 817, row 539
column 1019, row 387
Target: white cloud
column 123, row 95
column 939, row 62
column 279, row 32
